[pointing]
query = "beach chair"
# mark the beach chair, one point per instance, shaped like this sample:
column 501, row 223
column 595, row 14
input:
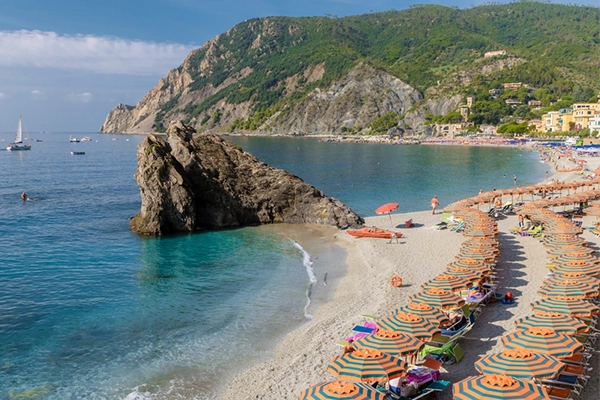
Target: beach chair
column 459, row 227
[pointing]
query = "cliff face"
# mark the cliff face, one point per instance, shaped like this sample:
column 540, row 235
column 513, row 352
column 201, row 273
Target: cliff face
column 193, row 181
column 363, row 95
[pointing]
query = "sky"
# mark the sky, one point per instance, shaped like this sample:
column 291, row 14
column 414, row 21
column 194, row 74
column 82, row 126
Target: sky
column 64, row 64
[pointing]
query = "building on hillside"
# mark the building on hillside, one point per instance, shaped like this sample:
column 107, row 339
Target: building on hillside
column 494, row 53
column 488, row 130
column 565, row 119
column 586, row 106
column 537, row 124
column 550, row 122
column 495, row 92
column 470, row 101
column 512, row 102
column 534, row 103
column 513, row 86
column 448, row 130
column 464, row 112
column 582, row 117
column 594, row 124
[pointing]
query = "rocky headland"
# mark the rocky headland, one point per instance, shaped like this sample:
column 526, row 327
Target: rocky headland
column 194, row 181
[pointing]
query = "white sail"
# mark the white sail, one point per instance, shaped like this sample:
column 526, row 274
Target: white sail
column 19, row 135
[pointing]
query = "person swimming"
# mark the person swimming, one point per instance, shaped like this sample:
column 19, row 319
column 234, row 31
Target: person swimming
column 24, row 196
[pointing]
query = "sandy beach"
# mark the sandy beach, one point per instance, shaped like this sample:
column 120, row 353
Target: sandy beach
column 301, row 358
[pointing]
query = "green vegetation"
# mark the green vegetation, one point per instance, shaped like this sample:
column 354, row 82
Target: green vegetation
column 423, row 46
column 385, row 122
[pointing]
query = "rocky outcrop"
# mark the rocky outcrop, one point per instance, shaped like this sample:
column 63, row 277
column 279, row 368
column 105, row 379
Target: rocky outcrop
column 191, row 181
column 355, row 101
column 414, row 121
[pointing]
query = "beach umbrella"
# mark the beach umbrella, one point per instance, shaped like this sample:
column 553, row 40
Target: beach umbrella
column 574, row 307
column 410, row 324
column 367, row 366
column 450, row 283
column 567, row 289
column 480, row 233
column 521, row 364
column 559, row 323
column 466, row 273
column 387, row 209
column 570, row 253
column 497, row 387
column 390, row 342
column 543, row 340
column 476, row 241
column 340, row 390
column 432, row 314
column 477, row 255
column 580, row 260
column 470, row 263
column 438, row 298
column 579, row 277
column 572, row 266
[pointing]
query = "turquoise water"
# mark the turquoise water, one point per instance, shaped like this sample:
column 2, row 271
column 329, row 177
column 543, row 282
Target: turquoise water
column 90, row 310
column 365, row 176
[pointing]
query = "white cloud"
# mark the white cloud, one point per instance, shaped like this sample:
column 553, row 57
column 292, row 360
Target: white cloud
column 2, row 96
column 80, row 97
column 38, row 94
column 109, row 55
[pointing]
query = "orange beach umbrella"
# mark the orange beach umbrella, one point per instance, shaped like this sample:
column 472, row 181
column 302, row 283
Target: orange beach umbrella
column 387, row 209
column 367, row 366
column 543, row 340
column 390, row 342
column 426, row 311
column 496, row 387
column 340, row 390
column 574, row 307
column 410, row 324
column 559, row 323
column 438, row 298
column 521, row 364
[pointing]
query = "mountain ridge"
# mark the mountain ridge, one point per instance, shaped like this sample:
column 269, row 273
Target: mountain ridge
column 322, row 75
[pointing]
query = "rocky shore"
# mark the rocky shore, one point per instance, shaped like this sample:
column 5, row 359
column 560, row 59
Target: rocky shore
column 196, row 181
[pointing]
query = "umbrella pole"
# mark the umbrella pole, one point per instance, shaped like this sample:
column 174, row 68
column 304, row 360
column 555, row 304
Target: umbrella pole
column 392, row 222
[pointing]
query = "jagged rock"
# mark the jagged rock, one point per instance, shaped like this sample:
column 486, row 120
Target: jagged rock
column 193, row 181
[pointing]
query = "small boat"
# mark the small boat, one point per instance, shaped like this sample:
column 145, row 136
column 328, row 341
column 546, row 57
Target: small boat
column 73, row 139
column 18, row 143
column 78, row 153
column 373, row 232
column 86, row 139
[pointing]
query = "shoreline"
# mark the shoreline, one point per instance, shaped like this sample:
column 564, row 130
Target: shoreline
column 300, row 358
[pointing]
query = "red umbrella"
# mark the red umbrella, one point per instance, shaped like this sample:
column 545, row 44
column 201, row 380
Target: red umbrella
column 387, row 209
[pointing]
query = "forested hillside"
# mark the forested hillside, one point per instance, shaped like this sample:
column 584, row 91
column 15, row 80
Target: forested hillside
column 262, row 71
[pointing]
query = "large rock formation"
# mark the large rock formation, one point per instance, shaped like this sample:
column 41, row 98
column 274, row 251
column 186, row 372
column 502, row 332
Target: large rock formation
column 193, row 181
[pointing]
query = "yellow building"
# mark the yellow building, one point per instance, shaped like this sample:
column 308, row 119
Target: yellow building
column 550, row 122
column 581, row 117
column 586, row 106
column 565, row 120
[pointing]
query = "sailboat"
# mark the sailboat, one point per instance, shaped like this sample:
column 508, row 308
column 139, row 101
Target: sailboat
column 18, row 143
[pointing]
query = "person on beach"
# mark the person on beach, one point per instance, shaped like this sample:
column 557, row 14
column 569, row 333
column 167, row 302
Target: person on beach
column 434, row 204
column 349, row 348
column 521, row 222
column 392, row 237
column 515, row 178
column 24, row 196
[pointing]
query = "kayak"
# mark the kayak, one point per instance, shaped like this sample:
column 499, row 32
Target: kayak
column 373, row 232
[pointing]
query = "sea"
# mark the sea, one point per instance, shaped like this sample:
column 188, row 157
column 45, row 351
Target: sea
column 89, row 310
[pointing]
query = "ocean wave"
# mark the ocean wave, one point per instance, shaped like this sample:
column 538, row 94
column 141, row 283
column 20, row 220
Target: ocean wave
column 310, row 271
